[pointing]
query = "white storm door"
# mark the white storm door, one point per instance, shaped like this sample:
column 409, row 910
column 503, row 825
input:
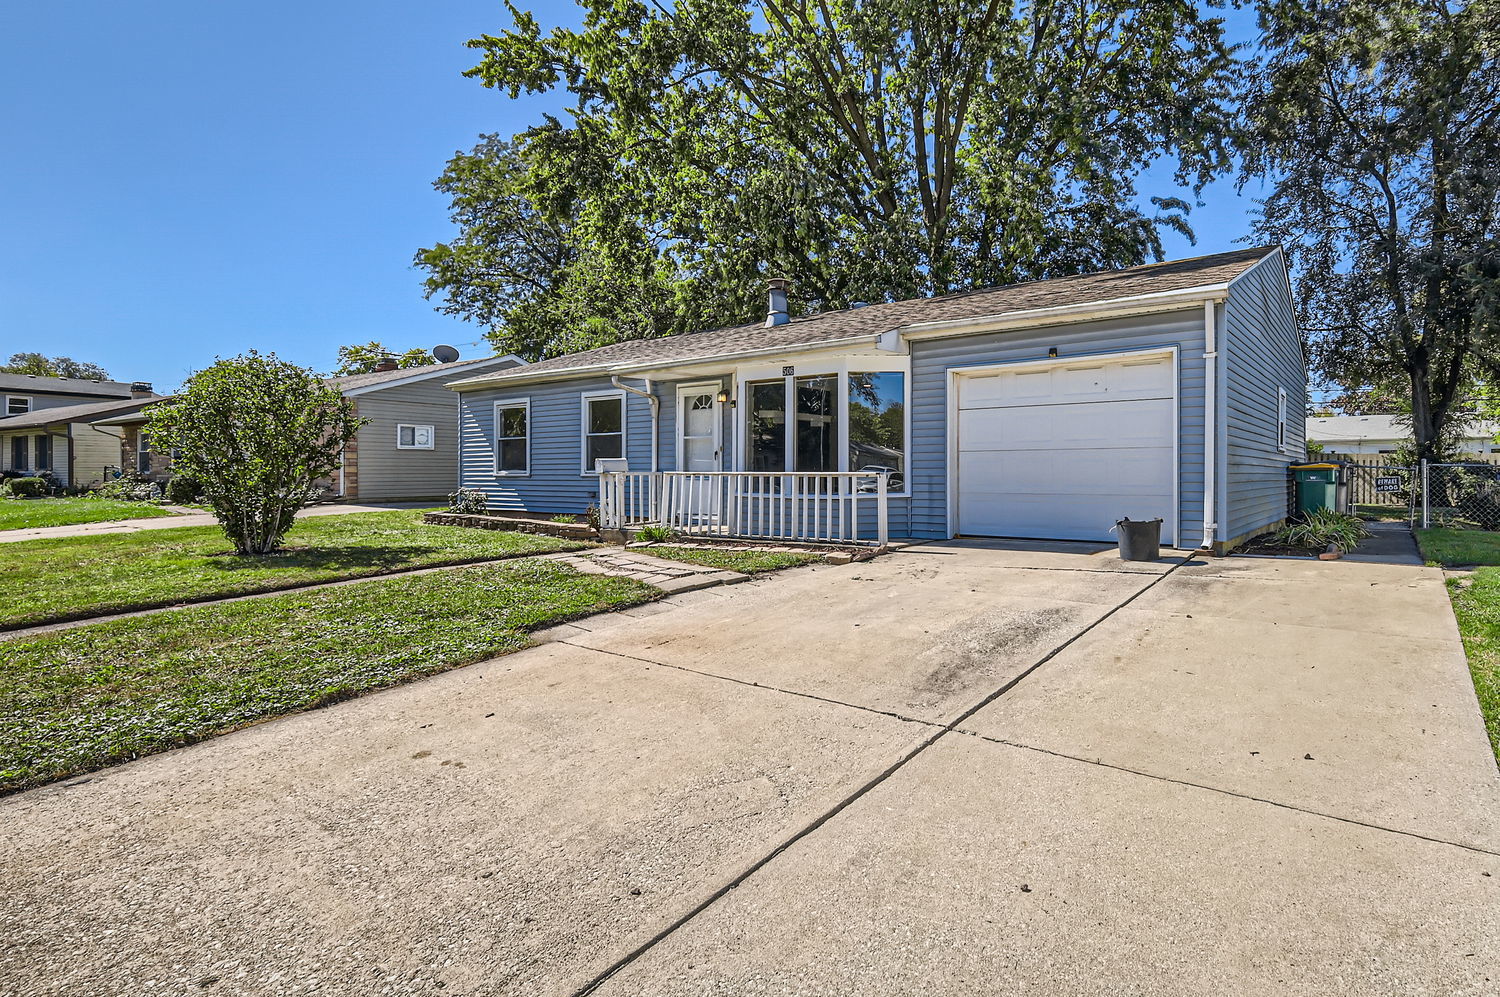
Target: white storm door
column 700, row 427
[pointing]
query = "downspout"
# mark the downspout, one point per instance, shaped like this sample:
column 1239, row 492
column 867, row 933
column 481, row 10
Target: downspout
column 119, row 442
column 655, row 413
column 1210, row 422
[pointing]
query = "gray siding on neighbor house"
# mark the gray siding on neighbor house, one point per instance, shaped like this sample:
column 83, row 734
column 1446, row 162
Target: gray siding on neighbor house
column 932, row 359
column 1261, row 351
column 556, row 482
column 389, row 473
column 41, row 401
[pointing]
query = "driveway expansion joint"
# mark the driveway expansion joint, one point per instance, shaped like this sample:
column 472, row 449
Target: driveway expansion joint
column 939, row 732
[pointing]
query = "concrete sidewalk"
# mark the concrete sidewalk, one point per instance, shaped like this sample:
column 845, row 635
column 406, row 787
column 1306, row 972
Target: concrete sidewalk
column 957, row 769
column 187, row 519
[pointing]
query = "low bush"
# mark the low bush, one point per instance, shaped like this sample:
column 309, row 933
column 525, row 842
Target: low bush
column 565, row 517
column 470, row 501
column 654, row 534
column 1319, row 529
column 182, row 490
column 129, row 487
column 31, row 487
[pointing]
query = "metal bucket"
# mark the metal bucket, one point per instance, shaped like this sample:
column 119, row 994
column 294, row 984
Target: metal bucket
column 1140, row 540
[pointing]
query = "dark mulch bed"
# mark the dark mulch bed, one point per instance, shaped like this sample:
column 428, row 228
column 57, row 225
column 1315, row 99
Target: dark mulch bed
column 1266, row 544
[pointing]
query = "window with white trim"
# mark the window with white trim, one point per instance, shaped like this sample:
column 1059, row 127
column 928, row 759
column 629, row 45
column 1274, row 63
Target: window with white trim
column 142, row 452
column 17, row 404
column 603, row 428
column 1282, row 443
column 513, row 436
column 414, row 437
column 849, row 420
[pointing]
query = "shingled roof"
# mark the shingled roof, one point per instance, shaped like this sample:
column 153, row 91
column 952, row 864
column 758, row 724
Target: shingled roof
column 350, row 381
column 870, row 321
column 82, row 412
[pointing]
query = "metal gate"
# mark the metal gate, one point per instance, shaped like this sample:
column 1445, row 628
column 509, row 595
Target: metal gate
column 1378, row 489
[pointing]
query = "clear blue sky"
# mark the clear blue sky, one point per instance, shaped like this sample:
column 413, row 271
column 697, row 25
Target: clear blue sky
column 180, row 180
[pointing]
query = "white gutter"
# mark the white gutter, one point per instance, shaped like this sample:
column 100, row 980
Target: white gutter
column 655, row 415
column 1210, row 424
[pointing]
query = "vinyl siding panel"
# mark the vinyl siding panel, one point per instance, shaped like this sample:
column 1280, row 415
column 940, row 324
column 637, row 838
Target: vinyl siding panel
column 61, row 400
column 387, row 473
column 556, row 482
column 1261, row 351
column 94, row 449
column 933, row 359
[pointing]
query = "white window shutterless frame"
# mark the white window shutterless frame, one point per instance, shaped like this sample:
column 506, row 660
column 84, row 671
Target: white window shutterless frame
column 700, row 427
column 601, row 429
column 513, row 437
column 414, row 437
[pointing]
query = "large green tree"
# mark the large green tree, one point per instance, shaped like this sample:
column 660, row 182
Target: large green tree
column 868, row 149
column 44, row 366
column 1377, row 124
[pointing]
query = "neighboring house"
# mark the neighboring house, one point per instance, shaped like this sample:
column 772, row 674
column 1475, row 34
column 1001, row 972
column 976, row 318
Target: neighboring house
column 1049, row 409
column 407, row 450
column 1387, row 434
column 48, row 425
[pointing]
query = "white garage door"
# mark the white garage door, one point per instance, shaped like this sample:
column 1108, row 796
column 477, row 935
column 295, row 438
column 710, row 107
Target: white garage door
column 1064, row 451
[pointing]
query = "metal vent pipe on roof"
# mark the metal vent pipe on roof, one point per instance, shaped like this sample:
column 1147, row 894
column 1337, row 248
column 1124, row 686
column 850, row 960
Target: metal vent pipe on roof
column 776, row 312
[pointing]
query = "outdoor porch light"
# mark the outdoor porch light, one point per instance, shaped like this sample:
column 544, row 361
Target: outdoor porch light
column 1052, row 351
column 723, row 396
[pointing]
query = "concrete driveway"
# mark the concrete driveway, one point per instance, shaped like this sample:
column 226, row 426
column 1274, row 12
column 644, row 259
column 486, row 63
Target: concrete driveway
column 958, row 769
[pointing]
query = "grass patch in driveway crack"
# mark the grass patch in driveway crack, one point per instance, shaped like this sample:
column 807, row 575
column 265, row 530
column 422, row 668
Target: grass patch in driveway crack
column 76, row 700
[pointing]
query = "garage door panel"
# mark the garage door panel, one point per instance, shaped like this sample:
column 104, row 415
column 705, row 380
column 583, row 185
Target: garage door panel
column 1066, row 451
column 1088, row 424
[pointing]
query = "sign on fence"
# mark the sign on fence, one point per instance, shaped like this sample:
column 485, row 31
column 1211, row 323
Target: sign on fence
column 1390, row 484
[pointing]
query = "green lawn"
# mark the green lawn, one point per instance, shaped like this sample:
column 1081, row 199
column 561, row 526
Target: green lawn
column 1459, row 547
column 1383, row 513
column 74, row 577
column 76, row 700
column 30, row 514
column 748, row 562
column 1476, row 604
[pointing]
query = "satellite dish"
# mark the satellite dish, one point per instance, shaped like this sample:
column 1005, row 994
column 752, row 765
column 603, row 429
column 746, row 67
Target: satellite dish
column 444, row 354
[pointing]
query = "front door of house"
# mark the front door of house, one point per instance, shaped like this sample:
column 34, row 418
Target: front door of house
column 700, row 428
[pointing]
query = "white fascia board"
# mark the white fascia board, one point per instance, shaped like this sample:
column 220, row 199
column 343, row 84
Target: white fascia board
column 1140, row 304
column 641, row 368
column 418, row 374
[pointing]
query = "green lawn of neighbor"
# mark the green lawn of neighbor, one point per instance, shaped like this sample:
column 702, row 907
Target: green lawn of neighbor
column 75, row 700
column 1459, row 547
column 1476, row 604
column 748, row 562
column 30, row 514
column 74, row 577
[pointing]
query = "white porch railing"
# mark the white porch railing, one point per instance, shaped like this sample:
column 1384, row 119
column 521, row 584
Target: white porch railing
column 844, row 507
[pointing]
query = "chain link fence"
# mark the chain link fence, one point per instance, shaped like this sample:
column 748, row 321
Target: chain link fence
column 1463, row 496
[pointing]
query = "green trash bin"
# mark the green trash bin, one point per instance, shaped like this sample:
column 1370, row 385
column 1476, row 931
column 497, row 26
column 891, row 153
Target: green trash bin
column 1317, row 486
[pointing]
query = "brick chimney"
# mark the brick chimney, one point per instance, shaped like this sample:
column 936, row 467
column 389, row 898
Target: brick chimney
column 141, row 389
column 776, row 313
column 386, row 365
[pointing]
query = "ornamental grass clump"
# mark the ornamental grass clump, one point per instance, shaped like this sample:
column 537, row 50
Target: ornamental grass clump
column 1322, row 528
column 256, row 433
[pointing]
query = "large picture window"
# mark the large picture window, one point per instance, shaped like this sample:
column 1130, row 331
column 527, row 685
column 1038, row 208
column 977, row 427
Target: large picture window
column 603, row 429
column 877, row 424
column 813, row 431
column 513, row 437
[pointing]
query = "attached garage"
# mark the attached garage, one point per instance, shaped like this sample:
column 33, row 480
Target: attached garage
column 1064, row 449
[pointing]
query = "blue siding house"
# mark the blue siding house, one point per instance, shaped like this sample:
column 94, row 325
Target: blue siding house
column 1049, row 409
